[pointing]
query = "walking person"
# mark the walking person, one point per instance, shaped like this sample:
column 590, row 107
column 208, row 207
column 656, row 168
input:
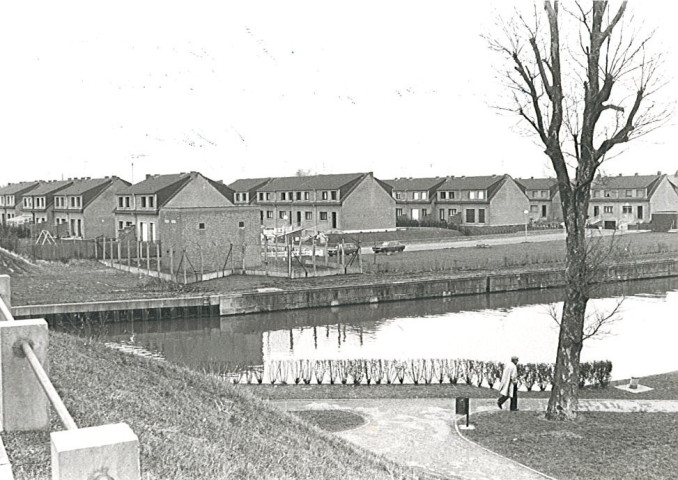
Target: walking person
column 509, row 385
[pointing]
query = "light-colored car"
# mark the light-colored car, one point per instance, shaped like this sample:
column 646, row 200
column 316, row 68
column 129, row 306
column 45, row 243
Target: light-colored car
column 389, row 247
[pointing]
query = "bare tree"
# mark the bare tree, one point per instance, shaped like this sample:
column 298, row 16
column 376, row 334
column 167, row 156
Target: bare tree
column 583, row 80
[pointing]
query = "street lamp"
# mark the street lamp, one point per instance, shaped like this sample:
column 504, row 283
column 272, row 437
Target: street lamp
column 526, row 213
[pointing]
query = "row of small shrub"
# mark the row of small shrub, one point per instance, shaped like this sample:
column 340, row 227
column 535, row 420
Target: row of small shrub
column 416, row 371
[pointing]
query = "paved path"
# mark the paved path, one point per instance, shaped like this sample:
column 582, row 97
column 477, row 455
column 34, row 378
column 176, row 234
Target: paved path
column 421, row 432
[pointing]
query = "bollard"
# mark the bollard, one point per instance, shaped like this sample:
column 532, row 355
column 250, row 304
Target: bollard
column 23, row 403
column 106, row 451
column 5, row 291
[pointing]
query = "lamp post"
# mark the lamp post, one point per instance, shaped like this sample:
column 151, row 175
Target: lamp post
column 525, row 212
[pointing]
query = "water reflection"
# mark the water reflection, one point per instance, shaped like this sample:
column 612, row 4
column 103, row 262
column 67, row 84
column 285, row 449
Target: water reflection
column 484, row 327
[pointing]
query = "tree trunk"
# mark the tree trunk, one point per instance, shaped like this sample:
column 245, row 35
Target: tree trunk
column 564, row 400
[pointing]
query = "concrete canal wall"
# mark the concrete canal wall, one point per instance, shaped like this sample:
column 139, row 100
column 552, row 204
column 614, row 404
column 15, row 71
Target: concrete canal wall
column 254, row 302
column 281, row 300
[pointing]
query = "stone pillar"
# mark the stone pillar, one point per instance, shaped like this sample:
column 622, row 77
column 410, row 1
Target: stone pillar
column 107, row 451
column 23, row 403
column 6, row 290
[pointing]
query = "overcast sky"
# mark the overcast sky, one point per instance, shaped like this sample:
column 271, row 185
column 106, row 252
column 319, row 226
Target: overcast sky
column 251, row 89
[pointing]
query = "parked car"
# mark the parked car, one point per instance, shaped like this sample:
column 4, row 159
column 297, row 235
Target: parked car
column 389, row 247
column 349, row 249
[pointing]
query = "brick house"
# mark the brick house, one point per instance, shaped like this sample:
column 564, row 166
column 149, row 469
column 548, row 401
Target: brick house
column 211, row 238
column 141, row 204
column 629, row 200
column 85, row 208
column 481, row 201
column 11, row 200
column 39, row 202
column 415, row 197
column 544, row 198
column 351, row 201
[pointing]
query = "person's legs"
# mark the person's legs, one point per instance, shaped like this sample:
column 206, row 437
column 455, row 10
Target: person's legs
column 501, row 400
column 514, row 399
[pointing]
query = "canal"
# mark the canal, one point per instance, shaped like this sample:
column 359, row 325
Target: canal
column 641, row 340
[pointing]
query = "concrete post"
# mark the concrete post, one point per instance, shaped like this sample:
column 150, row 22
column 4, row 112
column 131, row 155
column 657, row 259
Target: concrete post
column 23, row 403
column 6, row 290
column 107, row 451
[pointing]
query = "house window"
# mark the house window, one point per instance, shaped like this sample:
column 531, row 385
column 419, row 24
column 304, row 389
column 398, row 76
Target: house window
column 627, row 209
column 607, row 194
column 441, row 212
column 307, row 195
column 260, row 196
column 424, row 212
column 143, row 202
column 308, row 215
column 201, row 226
column 120, row 225
column 324, row 195
column 640, row 212
column 282, row 196
column 416, row 196
column 470, row 215
column 628, row 193
column 442, row 196
column 399, row 212
column 640, row 194
column 334, row 195
column 241, row 224
column 127, row 202
column 323, row 216
column 481, row 215
column 269, row 213
column 237, row 197
column 282, row 215
column 120, row 202
column 397, row 195
column 543, row 193
column 596, row 210
column 607, row 209
column 298, row 195
column 534, row 208
column 451, row 211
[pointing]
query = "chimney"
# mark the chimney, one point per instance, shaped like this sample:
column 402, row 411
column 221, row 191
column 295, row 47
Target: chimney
column 148, row 175
column 635, row 174
column 619, row 175
column 659, row 172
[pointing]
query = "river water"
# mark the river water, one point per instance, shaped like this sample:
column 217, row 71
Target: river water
column 484, row 327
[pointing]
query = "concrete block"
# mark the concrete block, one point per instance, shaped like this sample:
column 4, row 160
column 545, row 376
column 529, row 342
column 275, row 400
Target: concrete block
column 6, row 290
column 107, row 451
column 5, row 466
column 23, row 403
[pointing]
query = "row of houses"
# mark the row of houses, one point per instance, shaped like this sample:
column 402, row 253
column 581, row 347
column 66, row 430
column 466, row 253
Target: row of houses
column 190, row 204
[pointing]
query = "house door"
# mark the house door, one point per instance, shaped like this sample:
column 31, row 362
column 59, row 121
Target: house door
column 290, row 218
column 261, row 216
column 596, row 210
column 640, row 212
column 543, row 211
column 72, row 232
column 298, row 218
column 143, row 232
column 334, row 219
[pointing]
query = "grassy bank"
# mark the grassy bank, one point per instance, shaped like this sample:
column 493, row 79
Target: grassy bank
column 83, row 280
column 190, row 425
column 596, row 446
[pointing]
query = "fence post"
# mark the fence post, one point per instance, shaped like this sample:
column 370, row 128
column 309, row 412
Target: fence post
column 111, row 249
column 24, row 404
column 96, row 250
column 148, row 258
column 171, row 254
column 119, row 252
column 157, row 256
column 129, row 257
column 103, row 252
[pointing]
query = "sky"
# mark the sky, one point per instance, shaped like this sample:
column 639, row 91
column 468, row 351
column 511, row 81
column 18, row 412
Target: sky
column 257, row 89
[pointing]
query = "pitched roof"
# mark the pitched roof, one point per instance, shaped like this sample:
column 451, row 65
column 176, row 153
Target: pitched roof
column 154, row 183
column 46, row 188
column 81, row 186
column 537, row 183
column 409, row 184
column 311, row 182
column 471, row 183
column 13, row 188
column 626, row 181
column 247, row 184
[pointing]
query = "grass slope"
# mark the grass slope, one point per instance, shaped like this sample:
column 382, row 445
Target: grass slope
column 599, row 445
column 190, row 425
